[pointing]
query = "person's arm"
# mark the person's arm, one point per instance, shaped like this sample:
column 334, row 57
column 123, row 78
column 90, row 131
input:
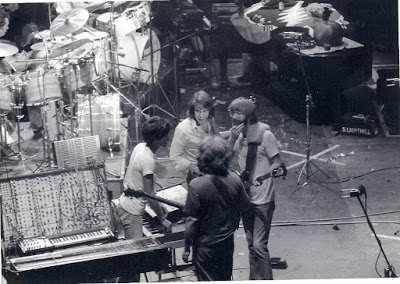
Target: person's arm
column 234, row 134
column 272, row 150
column 148, row 187
column 276, row 163
column 191, row 229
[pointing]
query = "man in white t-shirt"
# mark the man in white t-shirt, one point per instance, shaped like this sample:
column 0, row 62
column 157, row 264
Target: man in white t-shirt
column 263, row 160
column 139, row 177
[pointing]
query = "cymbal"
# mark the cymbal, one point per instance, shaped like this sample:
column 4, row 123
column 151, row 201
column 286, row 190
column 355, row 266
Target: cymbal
column 69, row 47
column 42, row 46
column 45, row 34
column 82, row 51
column 92, row 35
column 69, row 22
column 7, row 49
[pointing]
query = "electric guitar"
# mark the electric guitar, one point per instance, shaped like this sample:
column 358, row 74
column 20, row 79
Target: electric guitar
column 280, row 171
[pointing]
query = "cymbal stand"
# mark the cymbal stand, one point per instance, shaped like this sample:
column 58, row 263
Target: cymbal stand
column 47, row 160
column 115, row 74
column 175, row 49
column 308, row 163
column 18, row 115
column 153, row 76
column 3, row 137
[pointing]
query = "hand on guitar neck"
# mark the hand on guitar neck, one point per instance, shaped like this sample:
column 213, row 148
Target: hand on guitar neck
column 280, row 171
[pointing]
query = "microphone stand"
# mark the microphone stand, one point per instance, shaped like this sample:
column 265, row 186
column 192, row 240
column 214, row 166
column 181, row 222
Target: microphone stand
column 389, row 271
column 309, row 104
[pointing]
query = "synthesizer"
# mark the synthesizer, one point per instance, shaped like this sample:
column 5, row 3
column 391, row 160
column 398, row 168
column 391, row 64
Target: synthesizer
column 62, row 240
column 89, row 263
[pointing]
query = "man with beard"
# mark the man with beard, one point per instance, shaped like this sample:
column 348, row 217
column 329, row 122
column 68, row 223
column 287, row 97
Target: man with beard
column 258, row 154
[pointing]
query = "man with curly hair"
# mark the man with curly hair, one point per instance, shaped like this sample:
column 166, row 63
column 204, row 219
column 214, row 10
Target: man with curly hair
column 214, row 204
column 139, row 177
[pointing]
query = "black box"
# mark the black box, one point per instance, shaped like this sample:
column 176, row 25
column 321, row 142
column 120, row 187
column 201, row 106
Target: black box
column 360, row 125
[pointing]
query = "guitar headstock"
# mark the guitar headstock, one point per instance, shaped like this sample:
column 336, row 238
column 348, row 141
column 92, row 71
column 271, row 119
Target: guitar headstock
column 280, row 171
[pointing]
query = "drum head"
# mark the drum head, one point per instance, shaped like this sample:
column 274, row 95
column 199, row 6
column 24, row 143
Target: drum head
column 135, row 65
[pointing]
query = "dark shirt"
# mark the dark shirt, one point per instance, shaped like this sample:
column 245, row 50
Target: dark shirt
column 218, row 214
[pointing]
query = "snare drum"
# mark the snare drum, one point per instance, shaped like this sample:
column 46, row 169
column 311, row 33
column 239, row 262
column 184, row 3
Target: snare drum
column 42, row 86
column 136, row 64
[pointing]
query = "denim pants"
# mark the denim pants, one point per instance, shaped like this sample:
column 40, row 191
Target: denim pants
column 133, row 230
column 132, row 224
column 257, row 225
column 214, row 262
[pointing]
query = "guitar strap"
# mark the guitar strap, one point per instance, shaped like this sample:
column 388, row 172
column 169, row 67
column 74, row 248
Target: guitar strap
column 250, row 159
column 254, row 138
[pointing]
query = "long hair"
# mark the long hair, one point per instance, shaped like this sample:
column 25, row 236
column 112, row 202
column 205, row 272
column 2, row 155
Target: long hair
column 214, row 156
column 155, row 128
column 245, row 106
column 201, row 98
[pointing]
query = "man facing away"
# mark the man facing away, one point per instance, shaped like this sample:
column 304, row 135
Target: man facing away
column 214, row 203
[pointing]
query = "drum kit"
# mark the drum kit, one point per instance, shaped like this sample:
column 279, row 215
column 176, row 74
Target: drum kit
column 73, row 54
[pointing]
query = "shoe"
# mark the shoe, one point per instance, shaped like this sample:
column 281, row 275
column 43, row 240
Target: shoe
column 38, row 134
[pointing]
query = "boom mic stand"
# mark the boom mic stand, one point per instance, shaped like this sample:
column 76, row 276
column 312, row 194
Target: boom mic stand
column 389, row 272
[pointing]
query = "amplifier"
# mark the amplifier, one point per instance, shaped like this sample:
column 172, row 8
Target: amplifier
column 360, row 125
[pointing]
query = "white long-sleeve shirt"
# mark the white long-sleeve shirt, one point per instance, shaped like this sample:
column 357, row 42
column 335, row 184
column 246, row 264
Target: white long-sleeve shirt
column 187, row 137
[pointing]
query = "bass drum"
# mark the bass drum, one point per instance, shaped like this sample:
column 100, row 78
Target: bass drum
column 100, row 115
column 135, row 59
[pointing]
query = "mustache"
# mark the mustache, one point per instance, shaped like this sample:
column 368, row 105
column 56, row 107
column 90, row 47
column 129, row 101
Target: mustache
column 236, row 121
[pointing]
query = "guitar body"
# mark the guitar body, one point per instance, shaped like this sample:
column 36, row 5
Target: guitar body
column 280, row 171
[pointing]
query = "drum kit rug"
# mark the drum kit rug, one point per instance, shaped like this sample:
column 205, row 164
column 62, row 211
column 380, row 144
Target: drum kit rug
column 73, row 54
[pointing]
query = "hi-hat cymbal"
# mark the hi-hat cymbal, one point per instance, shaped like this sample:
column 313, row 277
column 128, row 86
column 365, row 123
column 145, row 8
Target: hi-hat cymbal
column 7, row 49
column 69, row 22
column 69, row 47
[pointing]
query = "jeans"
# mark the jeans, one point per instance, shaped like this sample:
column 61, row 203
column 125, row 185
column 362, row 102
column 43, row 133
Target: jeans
column 132, row 224
column 133, row 230
column 257, row 225
column 214, row 262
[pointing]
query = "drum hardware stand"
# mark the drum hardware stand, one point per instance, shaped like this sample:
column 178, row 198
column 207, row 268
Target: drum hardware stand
column 114, row 50
column 45, row 141
column 308, row 163
column 17, row 107
column 152, row 75
column 176, row 47
column 138, row 111
column 3, row 138
column 19, row 116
